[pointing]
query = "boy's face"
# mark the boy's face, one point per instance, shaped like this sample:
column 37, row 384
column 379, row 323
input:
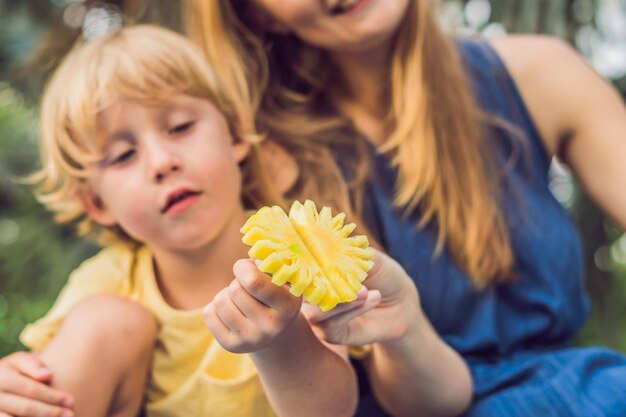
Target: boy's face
column 169, row 176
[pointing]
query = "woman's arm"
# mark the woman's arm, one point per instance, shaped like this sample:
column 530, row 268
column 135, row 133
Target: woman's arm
column 411, row 370
column 301, row 376
column 580, row 116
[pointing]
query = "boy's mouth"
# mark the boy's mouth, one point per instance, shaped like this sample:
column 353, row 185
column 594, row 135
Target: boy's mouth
column 177, row 197
column 343, row 6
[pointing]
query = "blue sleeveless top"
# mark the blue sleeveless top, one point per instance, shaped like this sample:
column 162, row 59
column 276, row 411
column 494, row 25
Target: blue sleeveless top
column 515, row 336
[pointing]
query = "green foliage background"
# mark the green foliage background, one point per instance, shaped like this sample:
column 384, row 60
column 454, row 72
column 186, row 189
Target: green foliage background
column 36, row 255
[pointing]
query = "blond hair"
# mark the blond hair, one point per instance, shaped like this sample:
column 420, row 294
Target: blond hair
column 144, row 63
column 287, row 120
column 455, row 187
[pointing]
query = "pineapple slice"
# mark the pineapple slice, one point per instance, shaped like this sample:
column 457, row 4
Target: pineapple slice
column 312, row 251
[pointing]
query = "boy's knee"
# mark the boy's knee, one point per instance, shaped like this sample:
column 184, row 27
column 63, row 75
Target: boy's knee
column 113, row 320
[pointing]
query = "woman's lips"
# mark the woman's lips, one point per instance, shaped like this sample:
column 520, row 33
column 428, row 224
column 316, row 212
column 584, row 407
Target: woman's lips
column 345, row 6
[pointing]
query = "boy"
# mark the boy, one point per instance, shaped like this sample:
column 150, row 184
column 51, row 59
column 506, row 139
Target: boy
column 141, row 140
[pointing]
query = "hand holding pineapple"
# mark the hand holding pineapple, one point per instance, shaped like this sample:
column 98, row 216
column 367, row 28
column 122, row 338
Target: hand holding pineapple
column 251, row 313
column 311, row 251
column 386, row 312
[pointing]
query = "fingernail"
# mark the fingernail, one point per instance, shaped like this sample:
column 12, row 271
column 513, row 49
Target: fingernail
column 374, row 295
column 68, row 402
column 67, row 413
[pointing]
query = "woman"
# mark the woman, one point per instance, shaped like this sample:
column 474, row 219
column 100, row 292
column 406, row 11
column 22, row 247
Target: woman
column 464, row 132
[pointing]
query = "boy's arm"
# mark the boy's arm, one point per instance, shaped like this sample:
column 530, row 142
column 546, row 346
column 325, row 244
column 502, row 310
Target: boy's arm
column 24, row 391
column 301, row 376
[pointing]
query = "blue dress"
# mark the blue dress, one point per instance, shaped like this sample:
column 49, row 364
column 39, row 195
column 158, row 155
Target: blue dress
column 515, row 336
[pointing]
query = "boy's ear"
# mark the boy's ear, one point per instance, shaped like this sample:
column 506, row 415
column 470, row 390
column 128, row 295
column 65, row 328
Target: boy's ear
column 241, row 149
column 95, row 208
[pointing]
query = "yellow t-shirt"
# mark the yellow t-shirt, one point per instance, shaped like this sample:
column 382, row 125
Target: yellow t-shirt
column 192, row 374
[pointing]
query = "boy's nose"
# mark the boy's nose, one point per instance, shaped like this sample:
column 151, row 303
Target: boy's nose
column 164, row 170
column 164, row 163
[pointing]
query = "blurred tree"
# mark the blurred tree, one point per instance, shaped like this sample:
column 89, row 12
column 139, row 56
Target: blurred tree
column 35, row 254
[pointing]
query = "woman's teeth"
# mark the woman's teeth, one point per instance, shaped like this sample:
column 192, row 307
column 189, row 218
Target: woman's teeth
column 342, row 6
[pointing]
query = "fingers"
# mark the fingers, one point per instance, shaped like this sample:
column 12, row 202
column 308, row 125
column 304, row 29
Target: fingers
column 30, row 365
column 224, row 320
column 315, row 315
column 213, row 321
column 349, row 325
column 229, row 313
column 372, row 300
column 220, row 331
column 249, row 305
column 17, row 406
column 344, row 312
column 23, row 390
column 259, row 285
column 25, row 387
column 251, row 312
column 230, row 327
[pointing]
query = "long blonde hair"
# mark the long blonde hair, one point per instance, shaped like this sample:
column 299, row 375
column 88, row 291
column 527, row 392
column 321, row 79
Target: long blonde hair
column 144, row 63
column 437, row 143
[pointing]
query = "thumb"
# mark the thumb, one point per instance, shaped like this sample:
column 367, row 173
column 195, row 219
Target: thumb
column 354, row 327
column 388, row 276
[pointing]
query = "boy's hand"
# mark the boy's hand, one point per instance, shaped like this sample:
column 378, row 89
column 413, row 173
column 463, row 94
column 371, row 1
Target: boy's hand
column 251, row 313
column 388, row 311
column 23, row 389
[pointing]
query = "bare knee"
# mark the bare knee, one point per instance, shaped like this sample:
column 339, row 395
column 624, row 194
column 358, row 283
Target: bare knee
column 101, row 355
column 112, row 323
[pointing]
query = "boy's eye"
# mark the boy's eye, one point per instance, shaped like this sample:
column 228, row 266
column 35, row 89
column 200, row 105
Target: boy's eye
column 181, row 128
column 123, row 157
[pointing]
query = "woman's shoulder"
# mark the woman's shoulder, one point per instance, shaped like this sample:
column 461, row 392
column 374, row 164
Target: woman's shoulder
column 526, row 57
column 523, row 56
column 538, row 61
column 530, row 52
column 553, row 81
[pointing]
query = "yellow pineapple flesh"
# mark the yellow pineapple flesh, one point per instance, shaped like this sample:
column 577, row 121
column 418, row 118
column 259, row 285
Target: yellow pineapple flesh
column 311, row 251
